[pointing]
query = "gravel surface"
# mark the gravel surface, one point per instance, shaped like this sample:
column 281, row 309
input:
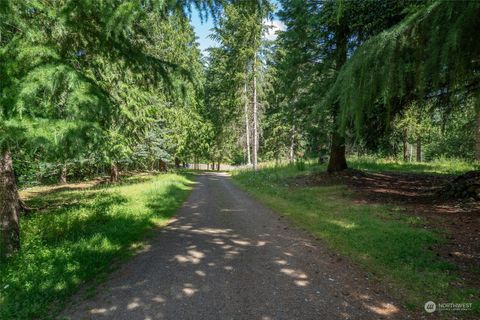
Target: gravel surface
column 226, row 256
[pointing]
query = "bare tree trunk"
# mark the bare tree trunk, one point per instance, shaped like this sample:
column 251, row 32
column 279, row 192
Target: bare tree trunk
column 338, row 161
column 255, row 110
column 419, row 149
column 114, row 172
column 9, row 207
column 162, row 166
column 63, row 174
column 321, row 156
column 218, row 165
column 405, row 146
column 291, row 155
column 477, row 135
column 247, row 127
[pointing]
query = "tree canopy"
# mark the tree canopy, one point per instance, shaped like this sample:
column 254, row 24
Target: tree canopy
column 431, row 55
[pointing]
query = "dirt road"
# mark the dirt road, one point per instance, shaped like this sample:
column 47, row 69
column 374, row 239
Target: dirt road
column 225, row 256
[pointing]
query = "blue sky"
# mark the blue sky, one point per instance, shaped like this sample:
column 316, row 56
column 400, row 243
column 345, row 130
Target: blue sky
column 203, row 29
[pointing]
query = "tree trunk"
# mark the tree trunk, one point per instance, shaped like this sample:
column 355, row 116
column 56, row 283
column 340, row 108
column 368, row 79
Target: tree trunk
column 177, row 162
column 291, row 154
column 114, row 172
column 247, row 127
column 218, row 165
column 63, row 175
column 338, row 161
column 320, row 153
column 477, row 134
column 9, row 207
column 162, row 166
column 419, row 149
column 405, row 146
column 255, row 110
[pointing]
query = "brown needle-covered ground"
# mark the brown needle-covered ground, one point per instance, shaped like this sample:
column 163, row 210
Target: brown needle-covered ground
column 420, row 195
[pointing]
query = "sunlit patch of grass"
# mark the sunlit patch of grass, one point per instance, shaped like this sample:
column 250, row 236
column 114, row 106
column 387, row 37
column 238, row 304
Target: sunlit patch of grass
column 441, row 166
column 380, row 238
column 74, row 237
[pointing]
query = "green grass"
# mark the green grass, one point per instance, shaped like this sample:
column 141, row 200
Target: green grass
column 77, row 235
column 440, row 166
column 382, row 240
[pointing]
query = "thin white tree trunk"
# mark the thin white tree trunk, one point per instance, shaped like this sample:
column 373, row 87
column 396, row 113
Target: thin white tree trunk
column 247, row 127
column 292, row 146
column 63, row 174
column 255, row 107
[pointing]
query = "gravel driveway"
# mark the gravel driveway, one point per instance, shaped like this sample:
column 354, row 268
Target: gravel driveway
column 226, row 256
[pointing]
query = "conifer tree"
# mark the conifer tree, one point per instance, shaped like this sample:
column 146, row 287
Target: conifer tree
column 320, row 38
column 108, row 64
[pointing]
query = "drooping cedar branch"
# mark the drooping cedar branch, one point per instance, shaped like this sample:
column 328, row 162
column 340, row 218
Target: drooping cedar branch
column 431, row 53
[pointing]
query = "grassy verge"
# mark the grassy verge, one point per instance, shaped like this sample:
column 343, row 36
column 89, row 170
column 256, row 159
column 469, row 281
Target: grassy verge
column 77, row 234
column 390, row 245
column 440, row 166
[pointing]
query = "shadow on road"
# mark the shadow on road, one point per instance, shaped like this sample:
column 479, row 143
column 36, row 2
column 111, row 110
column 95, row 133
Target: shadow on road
column 226, row 257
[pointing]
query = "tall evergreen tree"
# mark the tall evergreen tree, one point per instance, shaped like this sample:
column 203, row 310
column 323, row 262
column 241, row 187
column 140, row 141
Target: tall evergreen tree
column 429, row 57
column 321, row 37
column 233, row 71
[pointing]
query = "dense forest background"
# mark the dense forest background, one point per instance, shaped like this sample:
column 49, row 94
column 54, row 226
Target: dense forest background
column 129, row 89
column 388, row 79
